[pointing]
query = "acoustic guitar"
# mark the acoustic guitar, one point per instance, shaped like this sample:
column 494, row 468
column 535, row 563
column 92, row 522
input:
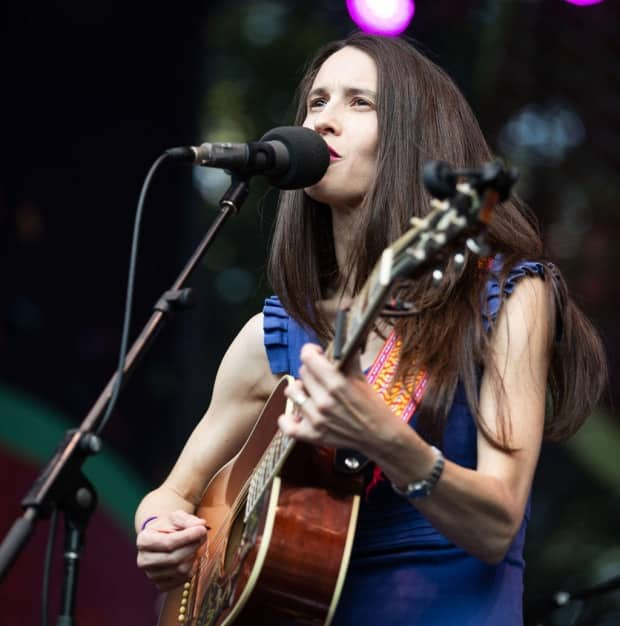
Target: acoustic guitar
column 282, row 514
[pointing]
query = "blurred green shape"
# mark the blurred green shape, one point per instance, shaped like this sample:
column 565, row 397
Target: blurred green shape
column 597, row 448
column 33, row 432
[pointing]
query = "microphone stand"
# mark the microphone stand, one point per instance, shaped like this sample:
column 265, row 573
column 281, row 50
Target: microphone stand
column 62, row 484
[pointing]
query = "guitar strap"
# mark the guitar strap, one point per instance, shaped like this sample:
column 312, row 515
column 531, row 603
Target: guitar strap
column 402, row 396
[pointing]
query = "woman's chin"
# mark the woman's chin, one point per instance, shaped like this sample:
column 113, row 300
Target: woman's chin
column 317, row 193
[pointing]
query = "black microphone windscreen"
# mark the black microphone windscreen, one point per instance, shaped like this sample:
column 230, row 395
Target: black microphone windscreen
column 309, row 157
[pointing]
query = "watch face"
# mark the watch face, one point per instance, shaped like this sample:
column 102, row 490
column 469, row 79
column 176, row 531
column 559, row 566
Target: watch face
column 417, row 490
column 414, row 490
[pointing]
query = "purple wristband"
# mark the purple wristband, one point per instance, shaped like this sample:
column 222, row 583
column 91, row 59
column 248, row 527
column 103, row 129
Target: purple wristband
column 148, row 520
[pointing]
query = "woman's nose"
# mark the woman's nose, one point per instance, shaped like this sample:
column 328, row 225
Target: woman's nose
column 328, row 122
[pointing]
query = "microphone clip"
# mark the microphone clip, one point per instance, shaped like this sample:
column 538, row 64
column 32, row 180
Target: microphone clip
column 440, row 179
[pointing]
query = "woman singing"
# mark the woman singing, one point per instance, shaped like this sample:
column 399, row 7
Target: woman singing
column 494, row 360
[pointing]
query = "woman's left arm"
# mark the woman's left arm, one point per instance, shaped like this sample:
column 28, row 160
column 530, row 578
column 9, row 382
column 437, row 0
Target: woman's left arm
column 480, row 510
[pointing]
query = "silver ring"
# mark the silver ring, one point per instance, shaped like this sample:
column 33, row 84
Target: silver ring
column 301, row 402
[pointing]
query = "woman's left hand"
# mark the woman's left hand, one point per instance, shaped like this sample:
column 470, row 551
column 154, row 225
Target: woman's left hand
column 335, row 409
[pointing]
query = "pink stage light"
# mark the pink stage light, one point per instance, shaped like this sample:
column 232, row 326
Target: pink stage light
column 583, row 3
column 381, row 17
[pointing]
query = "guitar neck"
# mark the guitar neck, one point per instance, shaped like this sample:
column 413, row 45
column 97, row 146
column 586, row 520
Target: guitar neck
column 360, row 326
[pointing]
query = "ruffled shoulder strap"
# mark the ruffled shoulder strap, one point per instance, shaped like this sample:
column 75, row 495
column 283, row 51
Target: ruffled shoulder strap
column 496, row 293
column 283, row 337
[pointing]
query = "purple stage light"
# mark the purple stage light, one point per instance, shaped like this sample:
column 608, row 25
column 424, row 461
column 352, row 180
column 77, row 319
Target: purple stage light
column 381, row 17
column 583, row 3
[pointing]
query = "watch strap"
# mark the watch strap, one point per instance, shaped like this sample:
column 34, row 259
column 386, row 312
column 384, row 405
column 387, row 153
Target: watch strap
column 424, row 487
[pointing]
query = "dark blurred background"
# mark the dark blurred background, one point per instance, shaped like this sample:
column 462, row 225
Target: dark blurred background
column 91, row 94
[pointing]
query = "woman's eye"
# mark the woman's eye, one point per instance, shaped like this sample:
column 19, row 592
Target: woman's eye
column 317, row 102
column 362, row 102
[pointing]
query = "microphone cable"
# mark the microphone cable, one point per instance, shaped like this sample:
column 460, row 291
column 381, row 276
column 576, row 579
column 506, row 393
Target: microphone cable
column 119, row 372
column 129, row 295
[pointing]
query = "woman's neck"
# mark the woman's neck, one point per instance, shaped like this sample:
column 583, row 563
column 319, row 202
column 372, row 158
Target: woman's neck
column 345, row 225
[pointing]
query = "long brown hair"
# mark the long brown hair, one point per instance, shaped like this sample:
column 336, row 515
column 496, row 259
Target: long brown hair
column 423, row 116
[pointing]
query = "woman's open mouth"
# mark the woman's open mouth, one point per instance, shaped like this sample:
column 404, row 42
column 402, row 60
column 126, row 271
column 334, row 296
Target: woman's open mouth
column 333, row 155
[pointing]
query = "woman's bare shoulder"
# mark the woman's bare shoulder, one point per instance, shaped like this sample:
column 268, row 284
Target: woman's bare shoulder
column 243, row 384
column 245, row 370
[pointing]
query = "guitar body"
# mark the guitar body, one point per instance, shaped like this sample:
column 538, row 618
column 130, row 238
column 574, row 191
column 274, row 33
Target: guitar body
column 284, row 558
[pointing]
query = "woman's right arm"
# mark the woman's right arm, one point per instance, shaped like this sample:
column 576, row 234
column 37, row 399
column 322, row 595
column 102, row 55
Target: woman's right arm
column 168, row 543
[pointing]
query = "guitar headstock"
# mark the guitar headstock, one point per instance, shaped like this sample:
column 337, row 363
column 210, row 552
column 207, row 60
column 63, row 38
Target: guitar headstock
column 456, row 224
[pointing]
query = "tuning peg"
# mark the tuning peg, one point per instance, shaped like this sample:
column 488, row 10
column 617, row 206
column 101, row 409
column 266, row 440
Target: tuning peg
column 459, row 258
column 478, row 246
column 437, row 276
column 385, row 269
column 439, row 204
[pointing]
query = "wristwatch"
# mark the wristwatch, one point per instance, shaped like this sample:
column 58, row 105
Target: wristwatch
column 421, row 488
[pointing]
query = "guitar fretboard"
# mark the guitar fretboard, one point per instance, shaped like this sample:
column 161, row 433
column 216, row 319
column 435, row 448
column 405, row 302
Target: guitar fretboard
column 266, row 469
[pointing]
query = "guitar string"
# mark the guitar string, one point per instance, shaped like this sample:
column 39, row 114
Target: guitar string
column 242, row 498
column 207, row 565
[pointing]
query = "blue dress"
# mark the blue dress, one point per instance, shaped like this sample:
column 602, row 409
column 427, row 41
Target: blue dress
column 403, row 572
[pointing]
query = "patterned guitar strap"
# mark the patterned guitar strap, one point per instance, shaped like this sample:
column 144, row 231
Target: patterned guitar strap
column 403, row 396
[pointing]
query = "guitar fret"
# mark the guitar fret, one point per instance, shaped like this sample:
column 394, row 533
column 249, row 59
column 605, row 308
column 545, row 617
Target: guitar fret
column 261, row 476
column 278, row 440
column 271, row 456
column 265, row 470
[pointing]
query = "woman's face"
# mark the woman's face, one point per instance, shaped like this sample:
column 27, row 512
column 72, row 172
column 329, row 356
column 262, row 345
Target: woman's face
column 341, row 107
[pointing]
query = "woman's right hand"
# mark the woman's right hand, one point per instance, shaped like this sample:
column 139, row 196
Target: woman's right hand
column 167, row 548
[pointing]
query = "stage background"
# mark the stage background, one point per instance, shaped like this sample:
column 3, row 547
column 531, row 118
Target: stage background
column 92, row 94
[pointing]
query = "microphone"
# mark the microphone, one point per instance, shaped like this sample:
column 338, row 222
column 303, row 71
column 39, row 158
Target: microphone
column 290, row 157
